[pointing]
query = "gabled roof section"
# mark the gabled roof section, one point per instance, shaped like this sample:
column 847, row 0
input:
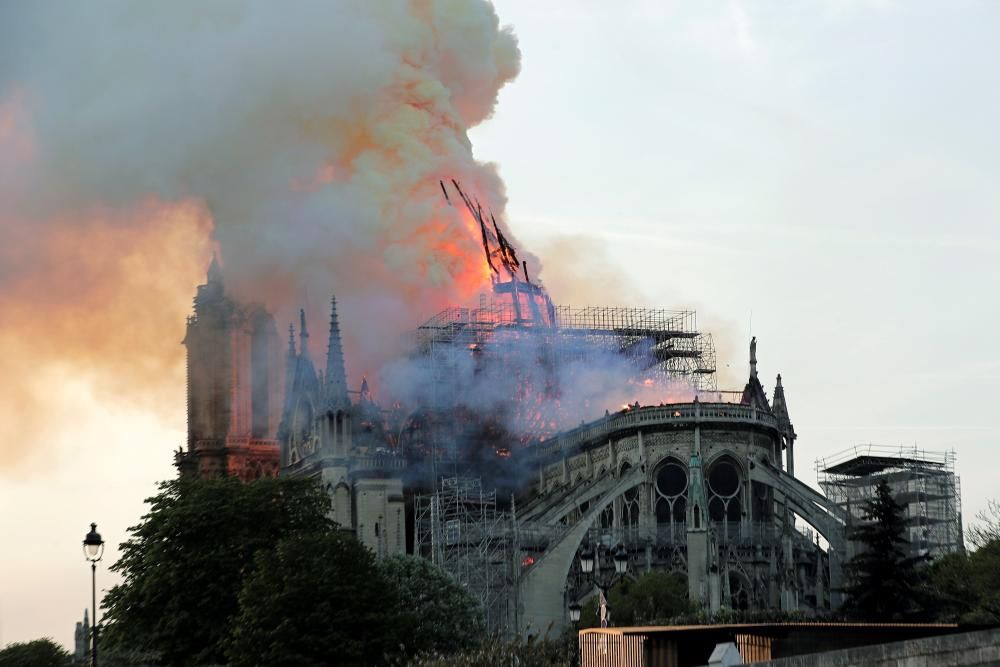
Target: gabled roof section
column 754, row 394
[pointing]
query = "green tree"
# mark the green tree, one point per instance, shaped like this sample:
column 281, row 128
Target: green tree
column 437, row 614
column 654, row 596
column 315, row 600
column 987, row 529
column 966, row 586
column 36, row 653
column 531, row 652
column 883, row 582
column 183, row 566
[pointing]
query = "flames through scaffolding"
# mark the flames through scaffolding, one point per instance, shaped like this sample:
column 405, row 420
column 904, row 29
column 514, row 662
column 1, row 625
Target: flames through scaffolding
column 535, row 368
column 519, row 369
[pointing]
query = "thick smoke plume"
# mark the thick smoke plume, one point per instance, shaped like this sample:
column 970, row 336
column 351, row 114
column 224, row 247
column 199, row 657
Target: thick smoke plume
column 303, row 142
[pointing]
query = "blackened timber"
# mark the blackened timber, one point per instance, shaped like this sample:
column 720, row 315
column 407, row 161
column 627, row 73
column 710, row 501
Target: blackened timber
column 529, row 288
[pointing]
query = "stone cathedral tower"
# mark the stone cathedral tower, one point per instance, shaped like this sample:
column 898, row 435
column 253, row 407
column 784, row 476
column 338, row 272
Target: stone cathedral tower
column 233, row 386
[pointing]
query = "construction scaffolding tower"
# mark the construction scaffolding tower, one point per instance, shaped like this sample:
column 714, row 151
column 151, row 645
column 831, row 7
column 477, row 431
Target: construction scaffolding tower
column 923, row 481
column 460, row 529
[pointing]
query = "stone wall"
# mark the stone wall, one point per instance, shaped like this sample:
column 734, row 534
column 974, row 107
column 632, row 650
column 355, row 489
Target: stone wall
column 966, row 649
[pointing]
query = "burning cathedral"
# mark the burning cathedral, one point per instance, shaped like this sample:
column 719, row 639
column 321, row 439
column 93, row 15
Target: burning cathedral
column 512, row 458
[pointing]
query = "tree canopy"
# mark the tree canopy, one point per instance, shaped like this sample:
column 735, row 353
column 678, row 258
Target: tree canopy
column 315, row 600
column 884, row 583
column 183, row 566
column 966, row 586
column 652, row 597
column 986, row 530
column 225, row 572
column 437, row 613
column 36, row 653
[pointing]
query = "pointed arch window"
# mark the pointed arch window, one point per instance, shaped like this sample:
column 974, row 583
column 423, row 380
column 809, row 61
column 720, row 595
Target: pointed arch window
column 670, row 484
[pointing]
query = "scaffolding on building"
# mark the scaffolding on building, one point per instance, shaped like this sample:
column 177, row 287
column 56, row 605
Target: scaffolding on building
column 493, row 348
column 923, row 481
column 664, row 343
column 460, row 529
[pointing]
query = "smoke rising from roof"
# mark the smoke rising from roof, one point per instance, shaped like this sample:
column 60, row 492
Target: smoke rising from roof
column 305, row 143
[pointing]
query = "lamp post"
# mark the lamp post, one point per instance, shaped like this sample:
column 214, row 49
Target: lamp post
column 93, row 550
column 590, row 566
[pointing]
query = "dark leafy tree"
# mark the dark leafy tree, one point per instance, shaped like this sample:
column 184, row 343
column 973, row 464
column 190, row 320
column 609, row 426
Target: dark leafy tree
column 183, row 566
column 436, row 613
column 652, row 597
column 884, row 583
column 36, row 653
column 966, row 586
column 315, row 600
column 491, row 650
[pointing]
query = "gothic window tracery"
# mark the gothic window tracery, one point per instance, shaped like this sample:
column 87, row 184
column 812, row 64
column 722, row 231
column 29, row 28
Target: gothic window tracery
column 724, row 487
column 670, row 497
column 628, row 505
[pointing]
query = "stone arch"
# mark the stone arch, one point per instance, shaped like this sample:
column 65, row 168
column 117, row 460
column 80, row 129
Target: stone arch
column 815, row 509
column 738, row 459
column 541, row 587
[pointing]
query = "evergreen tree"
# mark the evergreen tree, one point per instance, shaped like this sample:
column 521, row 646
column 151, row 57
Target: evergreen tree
column 884, row 583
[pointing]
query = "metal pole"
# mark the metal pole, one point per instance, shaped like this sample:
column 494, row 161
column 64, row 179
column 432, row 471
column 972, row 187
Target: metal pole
column 93, row 607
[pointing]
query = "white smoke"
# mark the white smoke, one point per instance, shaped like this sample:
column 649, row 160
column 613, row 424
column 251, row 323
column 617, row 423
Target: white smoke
column 315, row 133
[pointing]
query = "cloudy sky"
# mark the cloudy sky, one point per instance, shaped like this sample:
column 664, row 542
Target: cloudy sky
column 820, row 175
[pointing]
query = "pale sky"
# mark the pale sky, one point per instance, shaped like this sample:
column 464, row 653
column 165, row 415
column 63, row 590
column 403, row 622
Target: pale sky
column 822, row 174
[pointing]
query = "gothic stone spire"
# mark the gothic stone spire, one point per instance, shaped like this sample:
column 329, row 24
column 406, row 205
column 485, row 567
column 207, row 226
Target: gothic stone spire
column 336, row 376
column 780, row 407
column 303, row 334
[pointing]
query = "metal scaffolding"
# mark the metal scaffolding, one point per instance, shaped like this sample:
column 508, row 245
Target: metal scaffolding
column 658, row 342
column 460, row 529
column 923, row 481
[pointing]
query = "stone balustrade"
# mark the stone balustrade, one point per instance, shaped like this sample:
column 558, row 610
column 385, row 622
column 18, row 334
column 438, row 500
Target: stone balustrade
column 651, row 417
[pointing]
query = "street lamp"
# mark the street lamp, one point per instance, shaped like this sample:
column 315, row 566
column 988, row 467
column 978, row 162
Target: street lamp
column 590, row 560
column 621, row 560
column 93, row 550
column 587, row 560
